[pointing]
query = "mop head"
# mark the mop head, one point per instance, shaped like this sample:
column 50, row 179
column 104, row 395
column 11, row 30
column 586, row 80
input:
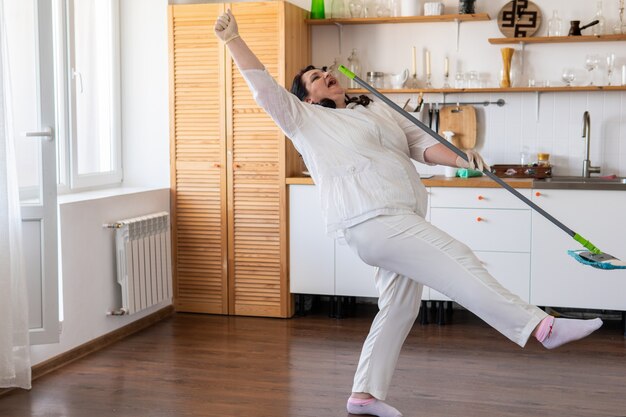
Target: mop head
column 600, row 261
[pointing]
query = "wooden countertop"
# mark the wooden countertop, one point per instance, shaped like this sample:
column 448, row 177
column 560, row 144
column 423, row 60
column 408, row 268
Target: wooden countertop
column 441, row 181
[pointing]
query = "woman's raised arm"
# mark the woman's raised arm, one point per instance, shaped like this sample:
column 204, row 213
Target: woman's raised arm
column 226, row 29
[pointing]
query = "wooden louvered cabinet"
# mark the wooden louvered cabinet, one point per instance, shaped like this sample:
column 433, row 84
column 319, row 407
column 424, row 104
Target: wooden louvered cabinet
column 229, row 161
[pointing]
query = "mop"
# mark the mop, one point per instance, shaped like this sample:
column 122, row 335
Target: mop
column 592, row 256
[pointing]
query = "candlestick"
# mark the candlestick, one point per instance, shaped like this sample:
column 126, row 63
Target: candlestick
column 446, row 67
column 427, row 63
column 414, row 63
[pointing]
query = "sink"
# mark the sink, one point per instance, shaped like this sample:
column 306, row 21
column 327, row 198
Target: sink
column 592, row 183
column 591, row 180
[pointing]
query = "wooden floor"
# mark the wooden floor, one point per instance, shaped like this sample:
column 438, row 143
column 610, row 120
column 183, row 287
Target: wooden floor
column 198, row 365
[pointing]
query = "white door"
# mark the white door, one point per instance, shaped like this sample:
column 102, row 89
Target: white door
column 29, row 35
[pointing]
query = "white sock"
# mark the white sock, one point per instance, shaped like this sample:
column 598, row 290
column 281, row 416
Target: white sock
column 371, row 406
column 567, row 330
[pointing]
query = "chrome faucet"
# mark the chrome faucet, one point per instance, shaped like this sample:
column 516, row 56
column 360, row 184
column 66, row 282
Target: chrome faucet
column 588, row 169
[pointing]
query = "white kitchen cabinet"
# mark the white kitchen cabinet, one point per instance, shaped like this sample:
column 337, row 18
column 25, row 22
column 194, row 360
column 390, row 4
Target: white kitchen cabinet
column 494, row 224
column 311, row 252
column 557, row 279
column 318, row 264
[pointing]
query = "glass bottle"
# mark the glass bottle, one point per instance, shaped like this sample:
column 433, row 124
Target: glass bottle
column 555, row 24
column 599, row 28
column 317, row 9
column 355, row 67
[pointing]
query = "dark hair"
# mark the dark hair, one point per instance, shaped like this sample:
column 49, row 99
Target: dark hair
column 299, row 90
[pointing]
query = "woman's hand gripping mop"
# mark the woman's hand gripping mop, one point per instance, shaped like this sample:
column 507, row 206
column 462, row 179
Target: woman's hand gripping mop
column 592, row 256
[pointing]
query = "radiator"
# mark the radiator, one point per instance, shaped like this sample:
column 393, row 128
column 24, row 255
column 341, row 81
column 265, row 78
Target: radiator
column 144, row 261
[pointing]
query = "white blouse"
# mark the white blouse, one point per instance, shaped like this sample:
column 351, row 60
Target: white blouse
column 359, row 157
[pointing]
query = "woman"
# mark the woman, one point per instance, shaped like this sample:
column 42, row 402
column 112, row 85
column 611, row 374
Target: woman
column 359, row 155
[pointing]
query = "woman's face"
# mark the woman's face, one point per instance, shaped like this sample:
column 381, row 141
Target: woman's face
column 322, row 84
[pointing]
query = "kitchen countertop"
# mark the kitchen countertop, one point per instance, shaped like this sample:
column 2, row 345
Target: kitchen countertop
column 561, row 183
column 442, row 181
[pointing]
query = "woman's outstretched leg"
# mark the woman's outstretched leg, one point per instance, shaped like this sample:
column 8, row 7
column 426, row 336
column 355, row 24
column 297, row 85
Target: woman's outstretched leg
column 409, row 245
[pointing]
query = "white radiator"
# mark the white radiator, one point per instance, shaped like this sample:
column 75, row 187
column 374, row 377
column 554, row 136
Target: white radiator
column 144, row 261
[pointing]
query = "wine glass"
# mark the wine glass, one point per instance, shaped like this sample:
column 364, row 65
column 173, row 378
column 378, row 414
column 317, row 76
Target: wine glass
column 568, row 76
column 610, row 66
column 591, row 63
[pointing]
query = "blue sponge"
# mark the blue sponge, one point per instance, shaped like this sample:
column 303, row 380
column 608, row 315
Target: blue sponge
column 608, row 263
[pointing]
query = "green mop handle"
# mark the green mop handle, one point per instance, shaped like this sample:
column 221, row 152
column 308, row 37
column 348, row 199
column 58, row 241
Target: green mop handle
column 345, row 71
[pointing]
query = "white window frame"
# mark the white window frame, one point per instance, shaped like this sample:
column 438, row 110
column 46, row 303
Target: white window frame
column 69, row 178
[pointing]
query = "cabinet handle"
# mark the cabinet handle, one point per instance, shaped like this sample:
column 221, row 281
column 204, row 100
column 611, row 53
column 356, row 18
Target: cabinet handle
column 480, row 197
column 538, row 194
column 217, row 165
column 479, row 219
column 237, row 165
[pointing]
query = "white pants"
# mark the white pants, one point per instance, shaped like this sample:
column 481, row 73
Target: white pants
column 409, row 253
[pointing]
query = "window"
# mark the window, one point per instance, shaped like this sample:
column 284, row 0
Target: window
column 93, row 153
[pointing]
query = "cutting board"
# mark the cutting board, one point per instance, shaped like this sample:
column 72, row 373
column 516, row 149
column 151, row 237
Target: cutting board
column 462, row 121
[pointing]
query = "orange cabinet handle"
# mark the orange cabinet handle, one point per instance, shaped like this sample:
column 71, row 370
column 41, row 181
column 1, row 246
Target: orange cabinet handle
column 480, row 197
column 479, row 219
column 216, row 165
column 237, row 165
column 538, row 194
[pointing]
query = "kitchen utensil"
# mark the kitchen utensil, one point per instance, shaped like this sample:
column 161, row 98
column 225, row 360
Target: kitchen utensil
column 462, row 121
column 575, row 28
column 436, row 118
column 593, row 257
column 430, row 115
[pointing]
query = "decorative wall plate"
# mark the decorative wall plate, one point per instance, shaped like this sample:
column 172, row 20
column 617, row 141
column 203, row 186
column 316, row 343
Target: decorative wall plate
column 519, row 19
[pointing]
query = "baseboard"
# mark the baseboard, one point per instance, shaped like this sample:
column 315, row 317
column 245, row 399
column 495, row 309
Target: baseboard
column 101, row 342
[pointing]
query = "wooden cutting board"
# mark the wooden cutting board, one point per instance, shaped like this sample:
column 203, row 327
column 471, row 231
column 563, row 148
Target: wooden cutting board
column 462, row 121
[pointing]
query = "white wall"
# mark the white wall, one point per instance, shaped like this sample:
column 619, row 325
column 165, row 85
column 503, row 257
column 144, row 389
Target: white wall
column 88, row 272
column 145, row 92
column 507, row 131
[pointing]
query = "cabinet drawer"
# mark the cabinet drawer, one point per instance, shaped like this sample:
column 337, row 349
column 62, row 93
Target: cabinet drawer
column 485, row 229
column 512, row 270
column 476, row 198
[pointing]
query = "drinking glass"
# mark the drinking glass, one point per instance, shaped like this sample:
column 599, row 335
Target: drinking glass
column 338, row 9
column 568, row 76
column 356, row 8
column 591, row 63
column 610, row 66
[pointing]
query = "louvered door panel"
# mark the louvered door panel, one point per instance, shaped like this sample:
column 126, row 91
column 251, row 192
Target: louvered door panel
column 197, row 100
column 255, row 276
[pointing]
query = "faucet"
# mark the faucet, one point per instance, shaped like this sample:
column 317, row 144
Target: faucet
column 588, row 169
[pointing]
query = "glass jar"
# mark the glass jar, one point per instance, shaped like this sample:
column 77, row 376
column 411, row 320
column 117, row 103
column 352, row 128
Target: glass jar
column 376, row 79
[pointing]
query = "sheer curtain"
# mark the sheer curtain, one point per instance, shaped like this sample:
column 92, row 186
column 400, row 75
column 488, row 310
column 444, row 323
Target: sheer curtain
column 14, row 344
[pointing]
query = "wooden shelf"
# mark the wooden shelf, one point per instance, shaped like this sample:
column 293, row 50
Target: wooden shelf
column 400, row 19
column 492, row 90
column 558, row 39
